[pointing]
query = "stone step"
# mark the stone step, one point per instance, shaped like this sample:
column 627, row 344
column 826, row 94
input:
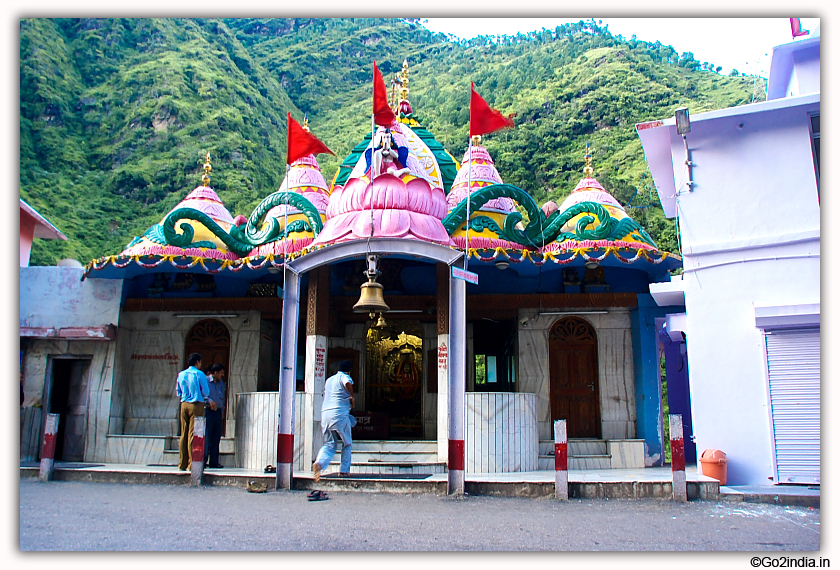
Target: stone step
column 386, row 445
column 577, row 447
column 393, row 456
column 171, row 457
column 390, row 468
column 226, row 444
column 577, row 463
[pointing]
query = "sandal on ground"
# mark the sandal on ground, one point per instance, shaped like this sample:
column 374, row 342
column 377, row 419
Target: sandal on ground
column 318, row 496
column 270, row 469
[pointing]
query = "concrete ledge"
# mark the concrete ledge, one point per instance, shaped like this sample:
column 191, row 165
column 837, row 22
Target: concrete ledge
column 640, row 490
column 787, row 500
column 403, row 486
column 518, row 489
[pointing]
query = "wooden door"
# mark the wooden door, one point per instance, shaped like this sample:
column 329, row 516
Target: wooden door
column 573, row 362
column 211, row 339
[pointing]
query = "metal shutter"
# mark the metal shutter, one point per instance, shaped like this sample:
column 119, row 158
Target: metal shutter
column 793, row 365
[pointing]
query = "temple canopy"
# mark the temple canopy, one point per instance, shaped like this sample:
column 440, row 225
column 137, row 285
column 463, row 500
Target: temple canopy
column 399, row 183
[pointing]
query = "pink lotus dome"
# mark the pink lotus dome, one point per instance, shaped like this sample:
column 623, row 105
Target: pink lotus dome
column 479, row 173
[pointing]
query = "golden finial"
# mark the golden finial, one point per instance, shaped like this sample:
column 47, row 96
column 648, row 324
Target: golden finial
column 306, row 122
column 404, row 81
column 205, row 179
column 476, row 140
column 588, row 171
column 393, row 102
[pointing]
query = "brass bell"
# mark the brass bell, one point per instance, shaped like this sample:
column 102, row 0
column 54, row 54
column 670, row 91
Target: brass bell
column 372, row 299
column 381, row 324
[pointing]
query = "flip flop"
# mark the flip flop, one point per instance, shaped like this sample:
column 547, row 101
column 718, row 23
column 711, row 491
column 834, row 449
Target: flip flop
column 318, row 496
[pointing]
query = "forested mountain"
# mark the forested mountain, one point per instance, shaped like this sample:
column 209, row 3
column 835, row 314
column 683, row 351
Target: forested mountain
column 117, row 114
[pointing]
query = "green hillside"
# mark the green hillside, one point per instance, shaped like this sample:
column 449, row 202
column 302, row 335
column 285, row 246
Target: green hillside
column 116, row 115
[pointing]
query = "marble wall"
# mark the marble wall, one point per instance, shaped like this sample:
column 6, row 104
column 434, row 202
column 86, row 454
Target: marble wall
column 152, row 355
column 616, row 380
column 501, row 432
column 37, row 368
column 256, row 442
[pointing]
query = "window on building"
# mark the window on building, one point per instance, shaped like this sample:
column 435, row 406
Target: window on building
column 815, row 147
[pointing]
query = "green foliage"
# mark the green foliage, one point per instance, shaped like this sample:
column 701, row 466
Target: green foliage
column 117, row 114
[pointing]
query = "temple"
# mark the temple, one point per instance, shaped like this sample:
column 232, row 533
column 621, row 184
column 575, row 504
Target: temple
column 496, row 316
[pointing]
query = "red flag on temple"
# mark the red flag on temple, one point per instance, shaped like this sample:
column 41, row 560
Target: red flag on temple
column 483, row 118
column 382, row 113
column 302, row 143
column 796, row 28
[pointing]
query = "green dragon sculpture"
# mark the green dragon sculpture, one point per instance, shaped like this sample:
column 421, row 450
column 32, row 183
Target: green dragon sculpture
column 240, row 240
column 542, row 229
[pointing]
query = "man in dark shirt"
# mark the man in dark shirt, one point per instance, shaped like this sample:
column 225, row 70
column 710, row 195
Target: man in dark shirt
column 214, row 411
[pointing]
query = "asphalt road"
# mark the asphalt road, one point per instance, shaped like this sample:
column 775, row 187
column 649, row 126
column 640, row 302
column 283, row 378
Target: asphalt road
column 112, row 517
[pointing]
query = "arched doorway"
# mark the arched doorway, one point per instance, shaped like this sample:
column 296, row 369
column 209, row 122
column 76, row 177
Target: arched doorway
column 211, row 339
column 394, row 373
column 573, row 361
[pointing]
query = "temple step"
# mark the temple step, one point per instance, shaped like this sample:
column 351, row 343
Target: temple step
column 226, row 445
column 370, row 445
column 577, row 447
column 382, row 468
column 226, row 458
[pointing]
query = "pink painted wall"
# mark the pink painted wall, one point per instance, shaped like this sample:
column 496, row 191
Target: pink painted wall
column 27, row 233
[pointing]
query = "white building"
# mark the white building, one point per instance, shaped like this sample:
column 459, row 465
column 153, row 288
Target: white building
column 748, row 209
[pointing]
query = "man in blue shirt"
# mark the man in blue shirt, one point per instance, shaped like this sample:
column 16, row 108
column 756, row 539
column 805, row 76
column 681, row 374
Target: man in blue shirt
column 193, row 391
column 215, row 413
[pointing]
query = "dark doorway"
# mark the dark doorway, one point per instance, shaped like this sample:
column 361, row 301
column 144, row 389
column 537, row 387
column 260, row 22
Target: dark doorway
column 494, row 344
column 394, row 377
column 573, row 362
column 68, row 399
column 211, row 339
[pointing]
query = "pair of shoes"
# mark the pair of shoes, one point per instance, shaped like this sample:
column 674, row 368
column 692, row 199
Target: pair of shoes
column 214, row 466
column 270, row 469
column 343, row 474
column 318, row 496
column 317, row 470
column 182, row 469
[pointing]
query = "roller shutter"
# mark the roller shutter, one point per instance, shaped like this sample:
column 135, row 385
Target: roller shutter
column 793, row 365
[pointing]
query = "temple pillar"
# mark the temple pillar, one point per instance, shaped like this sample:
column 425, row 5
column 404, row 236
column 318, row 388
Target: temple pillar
column 457, row 383
column 317, row 331
column 288, row 374
column 442, row 312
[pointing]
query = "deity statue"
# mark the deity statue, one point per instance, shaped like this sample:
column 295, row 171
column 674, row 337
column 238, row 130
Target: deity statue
column 388, row 157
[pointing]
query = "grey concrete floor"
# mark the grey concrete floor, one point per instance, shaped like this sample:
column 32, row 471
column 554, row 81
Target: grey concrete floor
column 79, row 516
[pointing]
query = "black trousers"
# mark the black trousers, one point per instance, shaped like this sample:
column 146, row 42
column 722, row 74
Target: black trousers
column 214, row 436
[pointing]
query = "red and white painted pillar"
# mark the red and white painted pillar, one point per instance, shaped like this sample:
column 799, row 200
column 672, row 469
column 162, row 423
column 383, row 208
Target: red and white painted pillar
column 678, row 457
column 561, row 461
column 197, row 467
column 288, row 375
column 457, row 384
column 48, row 448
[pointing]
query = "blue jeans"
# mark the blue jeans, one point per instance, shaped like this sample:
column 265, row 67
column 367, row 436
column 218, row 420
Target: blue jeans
column 327, row 452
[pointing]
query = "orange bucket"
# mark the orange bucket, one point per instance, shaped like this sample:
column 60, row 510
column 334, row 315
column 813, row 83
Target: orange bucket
column 714, row 464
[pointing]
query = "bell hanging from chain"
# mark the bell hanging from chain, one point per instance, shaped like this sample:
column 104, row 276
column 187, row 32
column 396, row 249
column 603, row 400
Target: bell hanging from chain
column 372, row 299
